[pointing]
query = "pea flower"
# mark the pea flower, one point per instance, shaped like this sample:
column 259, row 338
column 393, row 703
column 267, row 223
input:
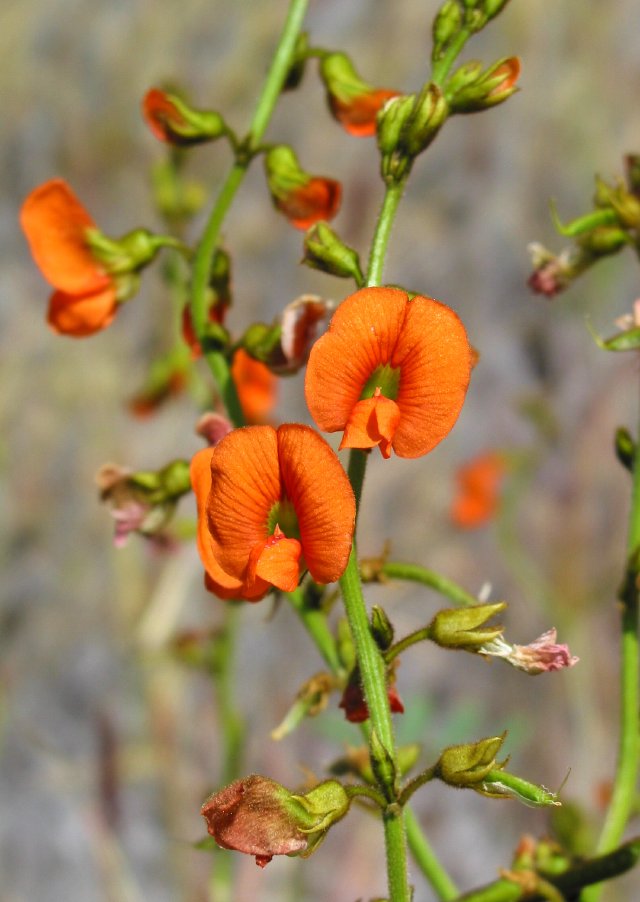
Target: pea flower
column 57, row 225
column 353, row 102
column 174, row 121
column 270, row 505
column 259, row 817
column 91, row 273
column 478, row 495
column 304, row 199
column 390, row 372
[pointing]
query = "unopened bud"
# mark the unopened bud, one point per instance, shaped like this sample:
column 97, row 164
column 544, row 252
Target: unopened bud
column 381, row 627
column 625, row 448
column 470, row 764
column 382, row 764
column 428, row 113
column 354, row 102
column 491, row 87
column 464, row 627
column 304, row 199
column 446, row 25
column 172, row 120
column 298, row 63
column 324, row 250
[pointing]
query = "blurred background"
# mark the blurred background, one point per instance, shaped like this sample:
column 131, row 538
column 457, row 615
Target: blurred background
column 108, row 744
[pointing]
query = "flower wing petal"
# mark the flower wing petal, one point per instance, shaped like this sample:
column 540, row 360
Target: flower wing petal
column 362, row 336
column 81, row 315
column 55, row 223
column 245, row 486
column 321, row 494
column 434, row 358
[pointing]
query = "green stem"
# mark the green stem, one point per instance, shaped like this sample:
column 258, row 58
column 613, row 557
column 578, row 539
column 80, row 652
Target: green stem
column 413, row 785
column 356, row 472
column 392, row 196
column 442, row 66
column 624, row 786
column 441, row 883
column 315, row 622
column 421, row 635
column 232, row 736
column 417, row 574
column 209, row 241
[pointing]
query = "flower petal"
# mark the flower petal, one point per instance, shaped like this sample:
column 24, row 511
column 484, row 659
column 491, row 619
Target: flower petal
column 216, row 580
column 358, row 115
column 321, row 494
column 307, row 204
column 372, row 422
column 434, row 359
column 81, row 315
column 256, row 386
column 362, row 335
column 278, row 563
column 245, row 484
column 55, row 223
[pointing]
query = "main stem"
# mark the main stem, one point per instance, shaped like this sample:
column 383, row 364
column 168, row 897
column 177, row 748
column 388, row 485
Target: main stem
column 208, row 243
column 624, row 787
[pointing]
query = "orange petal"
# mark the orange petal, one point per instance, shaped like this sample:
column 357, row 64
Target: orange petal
column 434, row 359
column 478, row 494
column 278, row 562
column 217, row 580
column 55, row 223
column 307, row 204
column 255, row 384
column 362, row 336
column 321, row 494
column 160, row 114
column 245, row 486
column 81, row 315
column 373, row 422
column 358, row 115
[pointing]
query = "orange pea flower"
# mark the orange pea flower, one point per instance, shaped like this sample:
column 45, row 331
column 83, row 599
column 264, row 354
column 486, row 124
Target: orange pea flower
column 304, row 199
column 56, row 225
column 173, row 121
column 478, row 495
column 256, row 386
column 354, row 102
column 389, row 372
column 271, row 503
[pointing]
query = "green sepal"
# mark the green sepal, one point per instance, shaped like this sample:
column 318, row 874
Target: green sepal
column 625, row 448
column 383, row 766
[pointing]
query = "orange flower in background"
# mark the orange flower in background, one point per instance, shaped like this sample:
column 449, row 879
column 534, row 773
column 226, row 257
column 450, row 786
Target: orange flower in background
column 357, row 115
column 304, row 205
column 256, row 386
column 478, row 496
column 304, row 199
column 354, row 102
column 174, row 121
column 389, row 372
column 271, row 503
column 56, row 225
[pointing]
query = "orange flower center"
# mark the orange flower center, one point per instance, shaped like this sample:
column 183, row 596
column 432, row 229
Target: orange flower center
column 373, row 421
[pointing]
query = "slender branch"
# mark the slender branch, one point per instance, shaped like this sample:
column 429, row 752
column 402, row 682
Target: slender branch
column 624, row 786
column 204, row 254
column 392, row 196
column 425, row 858
column 315, row 622
column 417, row 574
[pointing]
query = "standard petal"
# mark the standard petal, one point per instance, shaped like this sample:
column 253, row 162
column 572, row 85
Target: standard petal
column 217, row 580
column 434, row 358
column 82, row 315
column 362, row 336
column 245, row 486
column 319, row 489
column 55, row 223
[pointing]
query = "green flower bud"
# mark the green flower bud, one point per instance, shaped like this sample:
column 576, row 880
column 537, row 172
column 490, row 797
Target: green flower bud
column 429, row 112
column 446, row 25
column 625, row 448
column 383, row 766
column 470, row 764
column 324, row 250
column 500, row 785
column 489, row 88
column 381, row 628
column 460, row 627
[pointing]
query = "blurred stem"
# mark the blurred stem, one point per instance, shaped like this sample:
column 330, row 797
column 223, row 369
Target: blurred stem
column 392, row 196
column 442, row 67
column 441, row 883
column 624, row 786
column 315, row 622
column 417, row 574
column 232, row 740
column 204, row 253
